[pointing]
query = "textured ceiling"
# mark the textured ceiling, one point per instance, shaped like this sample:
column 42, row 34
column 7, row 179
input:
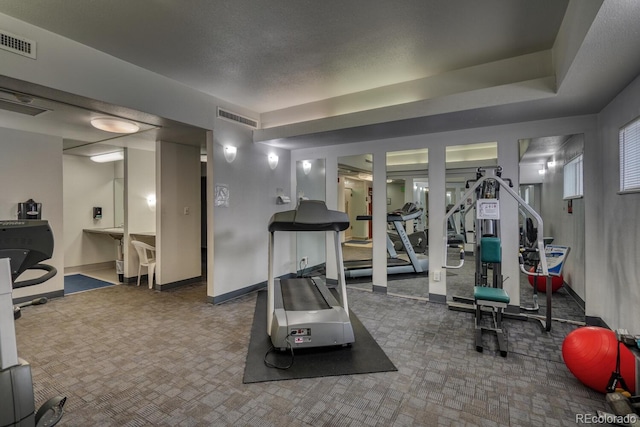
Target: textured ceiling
column 330, row 72
column 271, row 55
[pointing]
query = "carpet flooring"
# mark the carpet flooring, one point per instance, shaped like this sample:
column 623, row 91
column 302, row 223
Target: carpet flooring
column 129, row 356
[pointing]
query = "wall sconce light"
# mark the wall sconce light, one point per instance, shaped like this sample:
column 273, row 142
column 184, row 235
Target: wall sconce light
column 273, row 161
column 108, row 157
column 230, row 153
column 542, row 171
column 551, row 164
column 151, row 201
column 306, row 167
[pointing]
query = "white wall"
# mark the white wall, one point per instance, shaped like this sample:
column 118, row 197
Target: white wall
column 87, row 184
column 31, row 168
column 529, row 173
column 614, row 261
column 178, row 192
column 359, row 191
column 395, row 192
column 240, row 230
column 140, row 183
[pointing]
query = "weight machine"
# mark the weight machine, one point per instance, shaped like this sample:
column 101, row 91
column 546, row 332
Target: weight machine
column 488, row 279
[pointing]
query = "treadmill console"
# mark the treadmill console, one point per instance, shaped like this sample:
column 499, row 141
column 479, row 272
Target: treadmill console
column 25, row 243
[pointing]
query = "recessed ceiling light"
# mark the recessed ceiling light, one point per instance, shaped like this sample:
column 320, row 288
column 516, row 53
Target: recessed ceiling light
column 108, row 157
column 109, row 124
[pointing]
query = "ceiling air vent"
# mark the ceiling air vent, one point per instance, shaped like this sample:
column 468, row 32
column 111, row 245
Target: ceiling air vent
column 237, row 118
column 17, row 44
column 21, row 108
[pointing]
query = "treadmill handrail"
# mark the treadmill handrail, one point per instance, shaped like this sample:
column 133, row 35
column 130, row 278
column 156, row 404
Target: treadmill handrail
column 399, row 216
column 394, row 216
column 50, row 272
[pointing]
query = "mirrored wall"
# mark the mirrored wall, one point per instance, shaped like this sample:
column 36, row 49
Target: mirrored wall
column 355, row 197
column 407, row 223
column 310, row 246
column 551, row 182
column 462, row 164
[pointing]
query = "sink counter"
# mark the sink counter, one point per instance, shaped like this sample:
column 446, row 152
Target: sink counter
column 114, row 232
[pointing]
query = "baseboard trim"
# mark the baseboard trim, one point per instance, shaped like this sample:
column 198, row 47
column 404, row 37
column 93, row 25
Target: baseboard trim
column 312, row 271
column 575, row 296
column 219, row 299
column 48, row 295
column 236, row 294
column 177, row 284
column 437, row 298
column 513, row 309
column 595, row 321
column 377, row 289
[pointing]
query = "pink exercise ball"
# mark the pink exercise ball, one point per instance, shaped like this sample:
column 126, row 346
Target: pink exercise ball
column 590, row 354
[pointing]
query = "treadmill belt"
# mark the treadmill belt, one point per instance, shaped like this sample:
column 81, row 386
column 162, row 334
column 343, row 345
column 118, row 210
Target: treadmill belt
column 367, row 263
column 301, row 294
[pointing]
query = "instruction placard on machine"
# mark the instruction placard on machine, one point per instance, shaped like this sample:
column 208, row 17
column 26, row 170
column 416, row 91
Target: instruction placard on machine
column 488, row 209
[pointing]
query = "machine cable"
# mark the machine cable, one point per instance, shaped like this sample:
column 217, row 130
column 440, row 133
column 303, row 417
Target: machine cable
column 272, row 349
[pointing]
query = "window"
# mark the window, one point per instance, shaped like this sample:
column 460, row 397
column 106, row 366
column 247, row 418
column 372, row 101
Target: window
column 573, row 178
column 630, row 157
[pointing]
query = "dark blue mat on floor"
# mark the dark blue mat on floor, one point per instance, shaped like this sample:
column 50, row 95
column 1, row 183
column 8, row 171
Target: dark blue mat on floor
column 80, row 283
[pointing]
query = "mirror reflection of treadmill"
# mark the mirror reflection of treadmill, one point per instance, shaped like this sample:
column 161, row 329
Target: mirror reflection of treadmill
column 409, row 262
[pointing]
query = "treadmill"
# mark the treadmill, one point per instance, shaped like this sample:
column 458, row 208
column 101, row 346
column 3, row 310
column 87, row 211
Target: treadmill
column 396, row 264
column 23, row 245
column 302, row 312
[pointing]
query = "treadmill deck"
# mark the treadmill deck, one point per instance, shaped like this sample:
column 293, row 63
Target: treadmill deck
column 306, row 314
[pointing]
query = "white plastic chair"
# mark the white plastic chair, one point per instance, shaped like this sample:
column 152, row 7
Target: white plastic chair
column 147, row 256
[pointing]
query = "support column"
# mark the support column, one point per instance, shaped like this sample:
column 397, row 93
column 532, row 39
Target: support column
column 408, row 197
column 508, row 158
column 331, row 186
column 437, row 190
column 379, row 223
column 210, row 229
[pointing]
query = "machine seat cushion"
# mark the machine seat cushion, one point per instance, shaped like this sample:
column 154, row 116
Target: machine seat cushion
column 485, row 293
column 490, row 249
